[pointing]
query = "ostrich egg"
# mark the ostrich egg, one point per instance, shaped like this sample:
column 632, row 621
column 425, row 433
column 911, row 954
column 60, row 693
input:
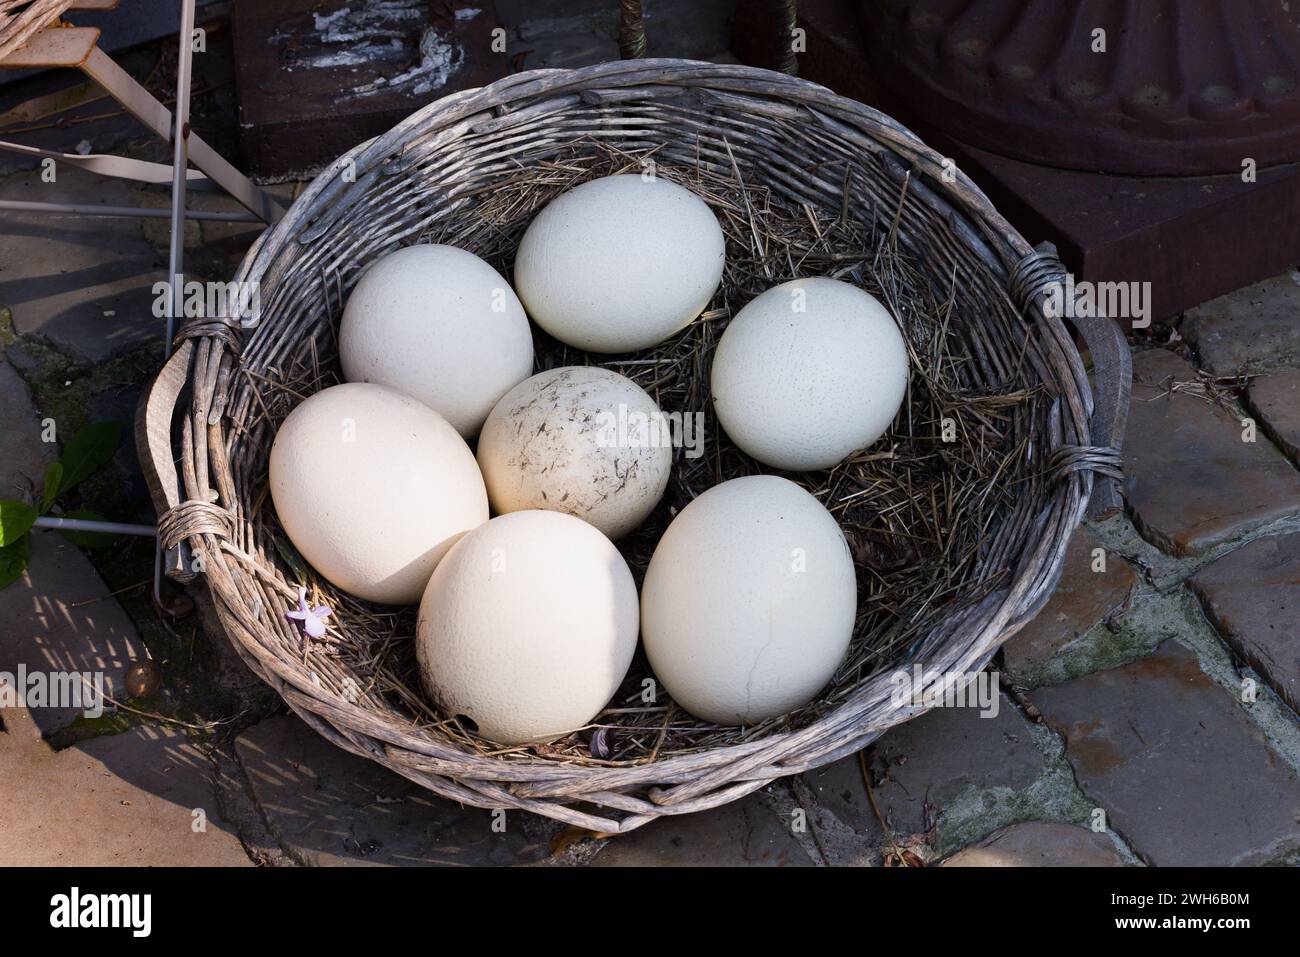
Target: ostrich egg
column 809, row 372
column 581, row 440
column 527, row 627
column 749, row 601
column 372, row 487
column 620, row 263
column 440, row 325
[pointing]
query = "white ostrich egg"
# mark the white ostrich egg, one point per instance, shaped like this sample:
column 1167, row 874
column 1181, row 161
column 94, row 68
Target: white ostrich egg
column 808, row 373
column 528, row 627
column 581, row 440
column 441, row 325
column 620, row 263
column 373, row 488
column 749, row 602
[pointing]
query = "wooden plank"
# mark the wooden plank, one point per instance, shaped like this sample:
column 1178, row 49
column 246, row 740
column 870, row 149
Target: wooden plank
column 94, row 4
column 1193, row 238
column 308, row 93
column 67, row 46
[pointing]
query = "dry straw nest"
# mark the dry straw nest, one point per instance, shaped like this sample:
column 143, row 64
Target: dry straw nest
column 957, row 538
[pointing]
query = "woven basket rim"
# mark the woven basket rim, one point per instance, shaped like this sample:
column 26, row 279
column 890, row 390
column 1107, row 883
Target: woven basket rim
column 684, row 782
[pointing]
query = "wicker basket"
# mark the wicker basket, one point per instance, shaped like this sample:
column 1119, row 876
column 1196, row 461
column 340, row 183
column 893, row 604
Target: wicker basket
column 797, row 139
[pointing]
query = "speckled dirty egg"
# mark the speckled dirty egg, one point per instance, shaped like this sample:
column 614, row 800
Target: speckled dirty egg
column 440, row 325
column 749, row 601
column 620, row 263
column 581, row 440
column 373, row 488
column 527, row 627
column 809, row 372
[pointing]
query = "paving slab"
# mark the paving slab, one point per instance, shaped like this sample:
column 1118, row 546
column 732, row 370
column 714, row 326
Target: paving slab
column 83, row 283
column 128, row 799
column 23, row 456
column 744, row 833
column 1185, row 776
column 1252, row 597
column 1040, row 844
column 1275, row 400
column 58, row 619
column 330, row 808
column 1191, row 482
column 922, row 769
column 1250, row 330
column 235, row 802
column 1084, row 598
column 847, row 830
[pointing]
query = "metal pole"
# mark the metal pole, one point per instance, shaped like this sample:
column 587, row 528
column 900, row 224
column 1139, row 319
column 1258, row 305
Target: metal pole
column 180, row 162
column 86, row 525
column 82, row 209
column 99, row 66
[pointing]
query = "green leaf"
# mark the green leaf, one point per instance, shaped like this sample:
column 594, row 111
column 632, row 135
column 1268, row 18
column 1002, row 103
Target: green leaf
column 87, row 539
column 291, row 557
column 15, row 519
column 13, row 559
column 53, row 481
column 88, row 450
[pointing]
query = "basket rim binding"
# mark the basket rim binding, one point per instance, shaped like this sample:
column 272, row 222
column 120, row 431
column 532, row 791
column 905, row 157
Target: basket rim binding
column 679, row 783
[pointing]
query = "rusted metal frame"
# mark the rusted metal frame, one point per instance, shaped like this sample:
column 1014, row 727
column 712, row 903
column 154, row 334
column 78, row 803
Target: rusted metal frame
column 104, row 164
column 141, row 104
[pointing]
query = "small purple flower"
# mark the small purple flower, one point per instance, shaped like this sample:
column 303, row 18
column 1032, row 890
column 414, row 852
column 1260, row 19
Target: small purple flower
column 313, row 619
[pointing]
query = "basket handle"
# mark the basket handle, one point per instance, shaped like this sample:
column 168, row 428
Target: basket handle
column 1112, row 381
column 153, row 441
column 1112, row 376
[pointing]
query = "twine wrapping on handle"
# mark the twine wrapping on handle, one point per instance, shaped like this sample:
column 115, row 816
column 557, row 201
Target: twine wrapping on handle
column 192, row 518
column 787, row 20
column 1094, row 458
column 223, row 328
column 631, row 30
column 1034, row 275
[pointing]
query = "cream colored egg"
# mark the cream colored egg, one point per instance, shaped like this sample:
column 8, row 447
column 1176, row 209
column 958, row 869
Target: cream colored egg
column 528, row 627
column 808, row 373
column 620, row 263
column 441, row 325
column 580, row 440
column 373, row 488
column 749, row 602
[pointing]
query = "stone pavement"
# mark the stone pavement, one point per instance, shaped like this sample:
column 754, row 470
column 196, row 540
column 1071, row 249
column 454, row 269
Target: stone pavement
column 1147, row 715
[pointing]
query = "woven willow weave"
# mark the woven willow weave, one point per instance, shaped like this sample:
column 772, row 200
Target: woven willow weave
column 794, row 138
